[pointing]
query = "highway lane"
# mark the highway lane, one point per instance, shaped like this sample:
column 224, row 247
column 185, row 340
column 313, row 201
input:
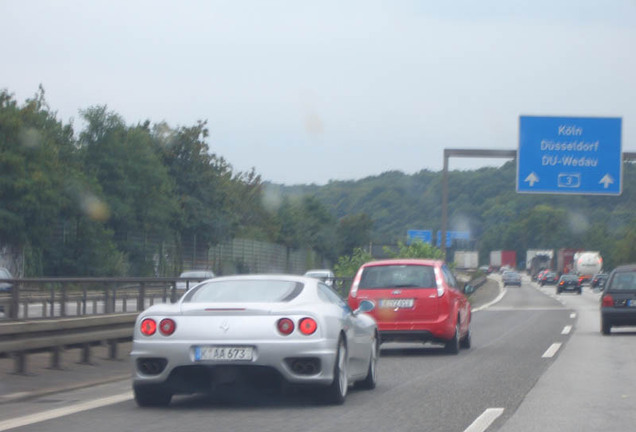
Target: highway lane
column 592, row 386
column 420, row 388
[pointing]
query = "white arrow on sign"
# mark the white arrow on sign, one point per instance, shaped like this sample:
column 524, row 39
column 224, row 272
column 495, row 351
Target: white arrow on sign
column 532, row 179
column 607, row 180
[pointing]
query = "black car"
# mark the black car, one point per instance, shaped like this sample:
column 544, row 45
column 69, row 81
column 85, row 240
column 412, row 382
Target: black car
column 568, row 282
column 549, row 278
column 618, row 300
column 5, row 287
column 598, row 280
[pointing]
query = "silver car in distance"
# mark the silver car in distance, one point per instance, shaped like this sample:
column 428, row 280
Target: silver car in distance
column 253, row 329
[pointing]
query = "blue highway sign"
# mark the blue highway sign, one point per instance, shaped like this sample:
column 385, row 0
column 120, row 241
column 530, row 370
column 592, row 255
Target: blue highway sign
column 425, row 236
column 570, row 155
column 452, row 235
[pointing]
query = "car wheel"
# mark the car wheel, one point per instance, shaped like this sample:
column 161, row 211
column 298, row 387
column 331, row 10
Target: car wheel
column 452, row 346
column 336, row 393
column 152, row 396
column 606, row 327
column 466, row 340
column 371, row 379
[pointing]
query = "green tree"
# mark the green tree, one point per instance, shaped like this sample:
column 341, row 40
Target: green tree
column 135, row 184
column 348, row 265
column 417, row 249
column 353, row 231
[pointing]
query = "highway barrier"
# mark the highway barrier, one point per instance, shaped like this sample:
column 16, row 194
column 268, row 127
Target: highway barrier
column 19, row 339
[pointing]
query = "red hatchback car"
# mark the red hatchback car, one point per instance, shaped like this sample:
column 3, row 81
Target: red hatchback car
column 416, row 300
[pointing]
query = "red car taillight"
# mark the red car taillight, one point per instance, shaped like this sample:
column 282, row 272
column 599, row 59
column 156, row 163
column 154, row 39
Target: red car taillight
column 607, row 301
column 285, row 326
column 307, row 326
column 167, row 326
column 148, row 327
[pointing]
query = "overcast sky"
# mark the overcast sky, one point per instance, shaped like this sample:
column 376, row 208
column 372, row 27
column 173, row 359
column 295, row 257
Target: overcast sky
column 312, row 91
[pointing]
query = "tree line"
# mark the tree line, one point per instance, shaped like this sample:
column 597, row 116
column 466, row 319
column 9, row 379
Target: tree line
column 112, row 199
column 116, row 199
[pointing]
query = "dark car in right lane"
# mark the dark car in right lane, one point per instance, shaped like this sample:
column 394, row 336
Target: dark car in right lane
column 598, row 280
column 618, row 299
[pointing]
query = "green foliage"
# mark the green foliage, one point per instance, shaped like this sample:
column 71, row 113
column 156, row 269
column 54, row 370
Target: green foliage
column 417, row 249
column 348, row 265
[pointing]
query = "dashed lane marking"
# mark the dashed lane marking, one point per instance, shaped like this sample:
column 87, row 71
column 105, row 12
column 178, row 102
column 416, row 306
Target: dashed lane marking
column 61, row 412
column 550, row 352
column 567, row 329
column 484, row 421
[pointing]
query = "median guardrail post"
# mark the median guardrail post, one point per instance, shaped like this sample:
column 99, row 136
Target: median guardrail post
column 106, row 300
column 84, row 299
column 63, row 300
column 15, row 301
column 52, row 301
column 141, row 299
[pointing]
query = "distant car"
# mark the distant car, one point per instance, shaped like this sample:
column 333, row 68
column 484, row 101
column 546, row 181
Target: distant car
column 195, row 277
column 598, row 280
column 325, row 275
column 568, row 282
column 5, row 274
column 584, row 279
column 253, row 329
column 618, row 299
column 511, row 278
column 5, row 287
column 549, row 278
column 417, row 301
column 485, row 269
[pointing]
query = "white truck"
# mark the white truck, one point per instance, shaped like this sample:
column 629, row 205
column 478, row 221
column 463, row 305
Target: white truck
column 587, row 264
column 466, row 259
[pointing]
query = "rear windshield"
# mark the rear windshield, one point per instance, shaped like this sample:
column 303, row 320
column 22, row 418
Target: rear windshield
column 398, row 276
column 570, row 278
column 623, row 281
column 245, row 291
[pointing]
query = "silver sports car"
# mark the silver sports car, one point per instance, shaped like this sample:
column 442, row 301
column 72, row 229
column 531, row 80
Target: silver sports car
column 253, row 329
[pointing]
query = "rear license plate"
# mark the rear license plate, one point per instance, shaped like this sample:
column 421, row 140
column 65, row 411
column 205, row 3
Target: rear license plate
column 396, row 303
column 225, row 353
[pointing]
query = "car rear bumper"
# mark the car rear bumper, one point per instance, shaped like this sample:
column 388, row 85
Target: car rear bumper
column 619, row 316
column 174, row 364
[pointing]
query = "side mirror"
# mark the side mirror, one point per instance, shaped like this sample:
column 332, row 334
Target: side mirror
column 365, row 306
column 469, row 289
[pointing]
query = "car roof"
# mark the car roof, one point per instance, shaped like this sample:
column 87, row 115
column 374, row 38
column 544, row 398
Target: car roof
column 405, row 261
column 626, row 267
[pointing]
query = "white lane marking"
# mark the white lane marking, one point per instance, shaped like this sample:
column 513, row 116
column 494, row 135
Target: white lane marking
column 61, row 412
column 573, row 315
column 484, row 421
column 550, row 352
column 567, row 329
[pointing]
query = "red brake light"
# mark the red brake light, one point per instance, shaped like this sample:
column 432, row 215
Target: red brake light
column 148, row 327
column 167, row 326
column 607, row 301
column 285, row 326
column 307, row 326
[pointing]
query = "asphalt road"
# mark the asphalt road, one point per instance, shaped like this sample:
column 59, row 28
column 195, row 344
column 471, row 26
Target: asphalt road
column 515, row 378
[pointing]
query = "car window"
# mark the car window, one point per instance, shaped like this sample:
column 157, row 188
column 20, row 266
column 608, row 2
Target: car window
column 390, row 276
column 245, row 291
column 449, row 277
column 330, row 295
column 623, row 281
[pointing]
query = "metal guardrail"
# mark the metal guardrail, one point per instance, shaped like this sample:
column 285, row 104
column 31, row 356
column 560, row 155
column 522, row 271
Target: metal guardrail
column 18, row 339
column 62, row 297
